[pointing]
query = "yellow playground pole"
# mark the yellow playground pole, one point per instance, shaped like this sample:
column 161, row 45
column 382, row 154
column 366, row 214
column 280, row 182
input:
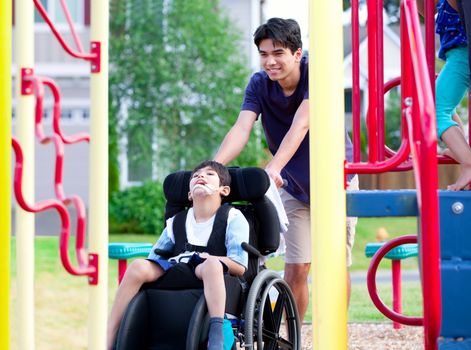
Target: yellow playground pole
column 327, row 153
column 24, row 128
column 5, row 164
column 98, row 294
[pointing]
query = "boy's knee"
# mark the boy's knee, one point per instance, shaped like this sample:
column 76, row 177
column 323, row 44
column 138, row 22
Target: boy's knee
column 140, row 270
column 212, row 265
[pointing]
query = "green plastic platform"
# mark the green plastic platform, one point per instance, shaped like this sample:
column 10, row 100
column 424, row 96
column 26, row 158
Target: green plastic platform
column 402, row 252
column 124, row 251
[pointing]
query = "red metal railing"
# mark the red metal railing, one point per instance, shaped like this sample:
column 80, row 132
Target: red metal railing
column 87, row 264
column 371, row 282
column 418, row 137
column 84, row 267
column 94, row 56
column 421, row 114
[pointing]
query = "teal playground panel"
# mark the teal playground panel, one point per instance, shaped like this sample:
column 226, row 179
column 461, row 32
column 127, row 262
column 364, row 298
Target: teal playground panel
column 455, row 241
column 124, row 251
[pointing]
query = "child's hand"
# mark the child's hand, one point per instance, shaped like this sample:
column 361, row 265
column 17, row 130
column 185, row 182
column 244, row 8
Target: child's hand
column 204, row 255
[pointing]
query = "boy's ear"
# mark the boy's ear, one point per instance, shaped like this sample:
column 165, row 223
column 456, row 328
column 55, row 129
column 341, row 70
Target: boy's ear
column 190, row 198
column 225, row 190
column 298, row 54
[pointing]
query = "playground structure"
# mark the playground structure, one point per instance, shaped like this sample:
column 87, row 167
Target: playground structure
column 30, row 88
column 446, row 313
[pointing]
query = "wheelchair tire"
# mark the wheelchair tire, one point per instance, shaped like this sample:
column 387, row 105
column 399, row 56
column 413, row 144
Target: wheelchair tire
column 197, row 336
column 263, row 320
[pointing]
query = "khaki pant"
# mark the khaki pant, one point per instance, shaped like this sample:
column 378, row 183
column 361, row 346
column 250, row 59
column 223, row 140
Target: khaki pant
column 298, row 237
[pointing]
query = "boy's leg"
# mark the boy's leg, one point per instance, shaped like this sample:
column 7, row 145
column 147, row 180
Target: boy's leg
column 298, row 250
column 464, row 7
column 454, row 139
column 353, row 185
column 212, row 275
column 451, row 86
column 139, row 272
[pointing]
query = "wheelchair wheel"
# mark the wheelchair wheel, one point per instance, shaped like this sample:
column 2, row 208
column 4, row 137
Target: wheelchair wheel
column 271, row 316
column 197, row 336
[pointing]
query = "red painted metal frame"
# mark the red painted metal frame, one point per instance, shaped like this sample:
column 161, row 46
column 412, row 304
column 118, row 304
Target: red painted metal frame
column 80, row 54
column 419, row 138
column 67, row 15
column 371, row 283
column 83, row 269
column 373, row 91
column 356, row 96
column 424, row 149
column 87, row 265
column 26, row 82
column 122, row 266
column 397, row 292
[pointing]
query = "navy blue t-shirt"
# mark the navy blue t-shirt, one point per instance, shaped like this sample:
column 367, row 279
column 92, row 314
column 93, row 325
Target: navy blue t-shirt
column 264, row 96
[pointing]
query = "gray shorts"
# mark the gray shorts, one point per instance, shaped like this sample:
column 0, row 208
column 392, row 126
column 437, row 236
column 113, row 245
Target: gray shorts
column 298, row 237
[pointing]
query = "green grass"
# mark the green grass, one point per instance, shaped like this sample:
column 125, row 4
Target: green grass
column 61, row 300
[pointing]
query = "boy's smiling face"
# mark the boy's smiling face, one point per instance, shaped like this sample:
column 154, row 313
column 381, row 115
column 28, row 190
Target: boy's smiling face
column 206, row 182
column 278, row 61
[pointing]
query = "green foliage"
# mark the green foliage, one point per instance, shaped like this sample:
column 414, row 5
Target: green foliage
column 392, row 118
column 177, row 77
column 138, row 209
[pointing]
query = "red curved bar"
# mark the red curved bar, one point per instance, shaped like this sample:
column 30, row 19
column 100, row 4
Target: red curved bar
column 65, row 46
column 67, row 15
column 58, row 138
column 380, row 167
column 83, row 269
column 371, row 282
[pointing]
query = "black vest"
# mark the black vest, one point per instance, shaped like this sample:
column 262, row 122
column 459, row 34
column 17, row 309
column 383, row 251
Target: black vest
column 216, row 242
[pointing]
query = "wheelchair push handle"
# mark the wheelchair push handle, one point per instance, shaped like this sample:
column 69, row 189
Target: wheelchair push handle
column 251, row 249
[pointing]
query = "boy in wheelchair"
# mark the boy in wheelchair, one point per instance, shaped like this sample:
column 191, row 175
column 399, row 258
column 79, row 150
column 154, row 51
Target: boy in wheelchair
column 198, row 253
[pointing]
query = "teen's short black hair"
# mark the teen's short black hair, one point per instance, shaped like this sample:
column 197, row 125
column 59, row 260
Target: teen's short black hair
column 284, row 32
column 221, row 170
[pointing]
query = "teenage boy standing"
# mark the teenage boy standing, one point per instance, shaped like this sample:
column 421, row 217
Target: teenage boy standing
column 279, row 93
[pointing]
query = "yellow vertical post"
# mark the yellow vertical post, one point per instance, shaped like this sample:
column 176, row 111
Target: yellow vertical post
column 98, row 210
column 5, row 164
column 24, row 48
column 327, row 152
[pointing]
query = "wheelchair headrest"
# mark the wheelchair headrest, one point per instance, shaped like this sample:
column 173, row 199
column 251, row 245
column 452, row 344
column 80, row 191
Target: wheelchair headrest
column 247, row 184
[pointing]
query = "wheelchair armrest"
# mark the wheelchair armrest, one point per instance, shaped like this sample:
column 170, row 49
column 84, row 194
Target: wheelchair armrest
column 251, row 250
column 163, row 253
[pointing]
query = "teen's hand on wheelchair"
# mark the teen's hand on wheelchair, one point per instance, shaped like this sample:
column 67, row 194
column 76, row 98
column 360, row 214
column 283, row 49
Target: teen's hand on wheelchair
column 275, row 176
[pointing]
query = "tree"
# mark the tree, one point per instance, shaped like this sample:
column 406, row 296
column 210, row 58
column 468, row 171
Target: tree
column 177, row 78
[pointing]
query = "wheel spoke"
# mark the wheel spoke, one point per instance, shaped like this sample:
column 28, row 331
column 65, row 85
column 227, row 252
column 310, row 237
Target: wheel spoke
column 280, row 308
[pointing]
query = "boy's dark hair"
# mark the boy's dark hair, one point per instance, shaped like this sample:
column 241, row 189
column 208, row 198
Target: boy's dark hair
column 221, row 170
column 284, row 32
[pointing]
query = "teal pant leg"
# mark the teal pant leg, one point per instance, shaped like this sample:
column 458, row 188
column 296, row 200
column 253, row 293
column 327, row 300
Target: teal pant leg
column 451, row 85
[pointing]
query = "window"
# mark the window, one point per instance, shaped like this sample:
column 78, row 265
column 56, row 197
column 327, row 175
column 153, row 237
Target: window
column 55, row 12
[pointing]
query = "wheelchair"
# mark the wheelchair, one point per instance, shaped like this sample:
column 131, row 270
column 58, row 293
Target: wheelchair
column 172, row 313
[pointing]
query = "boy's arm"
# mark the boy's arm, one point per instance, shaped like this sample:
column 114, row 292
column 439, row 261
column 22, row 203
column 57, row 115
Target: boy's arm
column 164, row 243
column 236, row 139
column 290, row 144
